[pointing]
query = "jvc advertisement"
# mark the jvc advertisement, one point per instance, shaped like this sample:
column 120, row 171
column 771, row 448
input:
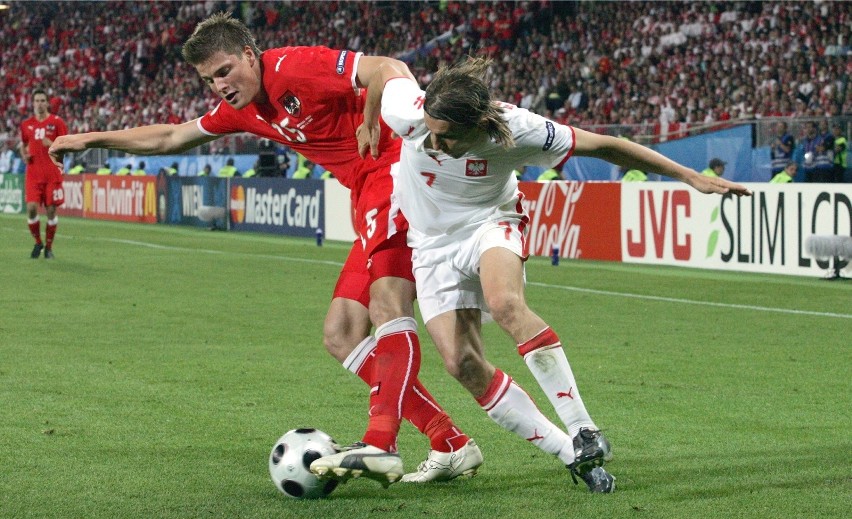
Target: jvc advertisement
column 672, row 224
column 281, row 206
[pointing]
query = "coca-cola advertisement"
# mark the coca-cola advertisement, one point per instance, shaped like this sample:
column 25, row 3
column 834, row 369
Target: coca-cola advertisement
column 580, row 219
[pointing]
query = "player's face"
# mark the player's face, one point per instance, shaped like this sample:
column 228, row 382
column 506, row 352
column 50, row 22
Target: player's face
column 40, row 105
column 232, row 77
column 450, row 138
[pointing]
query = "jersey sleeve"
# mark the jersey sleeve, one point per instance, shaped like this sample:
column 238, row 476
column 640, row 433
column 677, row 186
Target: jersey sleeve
column 218, row 121
column 541, row 141
column 402, row 107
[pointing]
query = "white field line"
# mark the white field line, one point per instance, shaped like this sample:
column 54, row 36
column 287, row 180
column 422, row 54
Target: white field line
column 536, row 284
column 692, row 301
column 212, row 251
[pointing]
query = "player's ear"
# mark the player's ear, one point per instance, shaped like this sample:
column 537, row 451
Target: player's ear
column 249, row 54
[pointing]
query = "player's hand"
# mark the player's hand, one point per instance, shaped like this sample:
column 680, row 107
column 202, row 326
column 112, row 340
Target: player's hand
column 719, row 186
column 63, row 145
column 368, row 137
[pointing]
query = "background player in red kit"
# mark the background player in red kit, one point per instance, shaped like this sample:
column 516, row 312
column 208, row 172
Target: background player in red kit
column 311, row 99
column 44, row 179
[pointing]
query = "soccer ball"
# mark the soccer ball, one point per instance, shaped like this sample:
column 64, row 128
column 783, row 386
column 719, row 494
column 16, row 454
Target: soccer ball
column 290, row 463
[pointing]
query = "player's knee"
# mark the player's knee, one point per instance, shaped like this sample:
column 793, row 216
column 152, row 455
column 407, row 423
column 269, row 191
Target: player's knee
column 337, row 345
column 505, row 308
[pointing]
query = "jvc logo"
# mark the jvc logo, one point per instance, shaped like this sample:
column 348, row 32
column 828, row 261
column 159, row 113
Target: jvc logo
column 661, row 218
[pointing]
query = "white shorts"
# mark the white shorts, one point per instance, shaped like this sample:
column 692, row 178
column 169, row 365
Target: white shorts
column 447, row 271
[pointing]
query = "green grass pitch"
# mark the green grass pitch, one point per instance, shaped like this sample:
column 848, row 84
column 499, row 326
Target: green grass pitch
column 148, row 370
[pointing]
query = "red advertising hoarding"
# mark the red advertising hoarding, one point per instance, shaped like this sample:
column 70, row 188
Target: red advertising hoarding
column 127, row 199
column 582, row 219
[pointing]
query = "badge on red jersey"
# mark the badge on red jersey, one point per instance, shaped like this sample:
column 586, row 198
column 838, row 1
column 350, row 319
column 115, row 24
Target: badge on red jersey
column 476, row 168
column 291, row 103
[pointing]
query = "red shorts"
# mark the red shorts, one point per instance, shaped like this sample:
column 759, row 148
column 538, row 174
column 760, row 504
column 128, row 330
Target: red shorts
column 390, row 258
column 375, row 218
column 43, row 189
column 380, row 249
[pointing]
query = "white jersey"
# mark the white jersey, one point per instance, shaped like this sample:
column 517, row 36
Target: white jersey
column 439, row 194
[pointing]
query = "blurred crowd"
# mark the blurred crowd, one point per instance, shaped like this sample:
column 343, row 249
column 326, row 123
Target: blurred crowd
column 657, row 69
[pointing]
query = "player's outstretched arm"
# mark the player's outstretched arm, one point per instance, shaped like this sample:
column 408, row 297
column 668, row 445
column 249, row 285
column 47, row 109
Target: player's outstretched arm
column 635, row 156
column 373, row 73
column 155, row 139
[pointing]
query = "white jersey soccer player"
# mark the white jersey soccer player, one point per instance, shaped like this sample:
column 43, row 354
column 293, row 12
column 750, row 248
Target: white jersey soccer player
column 460, row 209
column 455, row 186
column 447, row 201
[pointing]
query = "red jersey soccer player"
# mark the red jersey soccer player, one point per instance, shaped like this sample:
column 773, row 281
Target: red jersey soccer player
column 43, row 183
column 310, row 99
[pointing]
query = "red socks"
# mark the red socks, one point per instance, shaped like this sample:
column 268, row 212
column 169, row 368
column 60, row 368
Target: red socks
column 49, row 233
column 35, row 230
column 418, row 406
column 395, row 367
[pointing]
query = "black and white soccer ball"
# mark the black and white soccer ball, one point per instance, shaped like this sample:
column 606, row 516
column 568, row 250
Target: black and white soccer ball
column 290, row 463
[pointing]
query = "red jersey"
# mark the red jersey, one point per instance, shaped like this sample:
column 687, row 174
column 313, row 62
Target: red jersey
column 33, row 132
column 314, row 106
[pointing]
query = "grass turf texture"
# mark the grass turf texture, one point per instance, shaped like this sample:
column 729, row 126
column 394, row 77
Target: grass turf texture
column 148, row 370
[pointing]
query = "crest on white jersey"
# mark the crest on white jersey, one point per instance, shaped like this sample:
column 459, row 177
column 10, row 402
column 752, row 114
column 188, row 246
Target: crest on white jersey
column 476, row 168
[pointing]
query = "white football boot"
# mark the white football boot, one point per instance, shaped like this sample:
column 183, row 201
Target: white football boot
column 357, row 460
column 444, row 466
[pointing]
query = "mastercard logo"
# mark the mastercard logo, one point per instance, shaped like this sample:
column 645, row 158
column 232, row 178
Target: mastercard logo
column 238, row 204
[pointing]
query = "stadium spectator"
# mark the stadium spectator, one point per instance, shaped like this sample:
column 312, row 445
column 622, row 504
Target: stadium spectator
column 7, row 155
column 376, row 284
column 716, row 168
column 786, row 175
column 252, row 171
column 206, row 171
column 469, row 254
column 841, row 149
column 43, row 183
column 79, row 167
column 554, row 173
column 140, row 170
column 810, row 140
column 228, row 170
column 633, row 175
column 305, row 169
column 673, row 56
column 822, row 168
column 781, row 148
column 124, row 170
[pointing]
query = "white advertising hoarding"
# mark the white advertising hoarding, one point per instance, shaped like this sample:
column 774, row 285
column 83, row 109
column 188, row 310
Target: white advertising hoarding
column 672, row 224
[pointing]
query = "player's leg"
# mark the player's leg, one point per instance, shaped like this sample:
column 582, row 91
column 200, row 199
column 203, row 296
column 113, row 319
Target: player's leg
column 34, row 194
column 457, row 336
column 501, row 274
column 50, row 230
column 346, row 326
column 452, row 452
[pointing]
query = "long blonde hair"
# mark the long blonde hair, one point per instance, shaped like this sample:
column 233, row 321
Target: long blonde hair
column 458, row 94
